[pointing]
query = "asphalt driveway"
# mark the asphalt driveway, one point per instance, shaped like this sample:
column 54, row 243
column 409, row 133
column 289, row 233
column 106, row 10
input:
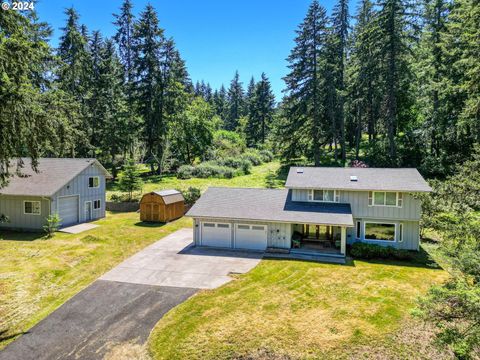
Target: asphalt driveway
column 125, row 304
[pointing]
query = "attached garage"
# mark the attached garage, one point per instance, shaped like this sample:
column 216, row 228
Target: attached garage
column 68, row 209
column 252, row 237
column 216, row 234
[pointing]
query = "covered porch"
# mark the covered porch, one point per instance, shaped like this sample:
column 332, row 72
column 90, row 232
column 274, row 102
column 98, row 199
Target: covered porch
column 319, row 239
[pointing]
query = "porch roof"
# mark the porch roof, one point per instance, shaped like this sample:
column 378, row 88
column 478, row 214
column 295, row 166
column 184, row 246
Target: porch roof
column 268, row 205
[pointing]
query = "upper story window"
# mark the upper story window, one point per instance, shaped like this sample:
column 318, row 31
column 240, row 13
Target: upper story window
column 385, row 198
column 94, row 181
column 31, row 207
column 324, row 195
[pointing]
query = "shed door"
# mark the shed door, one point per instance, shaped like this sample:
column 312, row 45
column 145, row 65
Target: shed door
column 68, row 210
column 252, row 237
column 216, row 234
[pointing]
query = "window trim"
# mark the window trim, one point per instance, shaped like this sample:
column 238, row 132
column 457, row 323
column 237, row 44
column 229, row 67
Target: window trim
column 398, row 199
column 32, row 213
column 93, row 177
column 99, row 204
column 336, row 195
column 358, row 230
column 400, row 233
column 380, row 240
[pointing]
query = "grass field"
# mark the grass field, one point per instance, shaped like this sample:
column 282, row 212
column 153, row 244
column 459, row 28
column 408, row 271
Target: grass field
column 265, row 175
column 37, row 275
column 293, row 309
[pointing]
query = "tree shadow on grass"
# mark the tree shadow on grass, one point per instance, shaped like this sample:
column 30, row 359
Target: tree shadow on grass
column 149, row 224
column 11, row 235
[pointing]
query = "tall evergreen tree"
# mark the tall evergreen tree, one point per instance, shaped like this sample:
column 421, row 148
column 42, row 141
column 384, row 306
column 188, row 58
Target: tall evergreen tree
column 220, row 102
column 235, row 103
column 305, row 132
column 261, row 112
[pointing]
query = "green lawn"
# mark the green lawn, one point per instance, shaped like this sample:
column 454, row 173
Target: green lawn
column 294, row 309
column 265, row 175
column 37, row 275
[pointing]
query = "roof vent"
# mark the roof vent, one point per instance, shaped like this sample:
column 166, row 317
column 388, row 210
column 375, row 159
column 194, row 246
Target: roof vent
column 353, row 178
column 299, row 170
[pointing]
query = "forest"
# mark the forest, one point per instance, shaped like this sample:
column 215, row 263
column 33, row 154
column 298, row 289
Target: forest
column 392, row 83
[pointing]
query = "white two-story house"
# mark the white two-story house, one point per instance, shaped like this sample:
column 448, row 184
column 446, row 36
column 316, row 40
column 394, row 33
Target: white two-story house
column 320, row 210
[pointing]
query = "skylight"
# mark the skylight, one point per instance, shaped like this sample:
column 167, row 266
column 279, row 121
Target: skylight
column 353, row 178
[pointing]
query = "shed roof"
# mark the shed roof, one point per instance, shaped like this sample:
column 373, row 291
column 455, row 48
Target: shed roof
column 169, row 196
column 268, row 205
column 386, row 179
column 52, row 175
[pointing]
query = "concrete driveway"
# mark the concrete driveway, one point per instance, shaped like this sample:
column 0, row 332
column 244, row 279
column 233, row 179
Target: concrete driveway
column 174, row 261
column 125, row 303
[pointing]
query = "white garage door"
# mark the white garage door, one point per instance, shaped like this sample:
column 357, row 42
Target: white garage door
column 216, row 234
column 251, row 237
column 68, row 210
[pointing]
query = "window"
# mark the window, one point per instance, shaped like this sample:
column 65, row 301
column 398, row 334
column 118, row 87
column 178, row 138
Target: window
column 225, row 226
column 358, row 234
column 324, row 195
column 400, row 233
column 243, row 227
column 93, row 181
column 379, row 231
column 208, row 225
column 384, row 198
column 96, row 204
column 31, row 207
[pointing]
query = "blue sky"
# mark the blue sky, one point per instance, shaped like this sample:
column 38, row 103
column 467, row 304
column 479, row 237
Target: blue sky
column 215, row 37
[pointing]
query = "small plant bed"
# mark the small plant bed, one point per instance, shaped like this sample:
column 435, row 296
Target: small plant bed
column 372, row 251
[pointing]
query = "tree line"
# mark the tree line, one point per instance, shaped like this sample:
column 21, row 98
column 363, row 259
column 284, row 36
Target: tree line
column 129, row 96
column 398, row 87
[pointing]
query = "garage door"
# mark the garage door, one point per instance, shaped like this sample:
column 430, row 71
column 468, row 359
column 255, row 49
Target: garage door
column 68, row 210
column 216, row 234
column 251, row 237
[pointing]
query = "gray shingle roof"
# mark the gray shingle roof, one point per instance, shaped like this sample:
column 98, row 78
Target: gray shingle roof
column 387, row 179
column 170, row 196
column 267, row 205
column 52, row 175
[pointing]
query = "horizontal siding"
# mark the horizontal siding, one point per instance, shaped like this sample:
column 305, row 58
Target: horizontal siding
column 79, row 186
column 12, row 206
column 358, row 200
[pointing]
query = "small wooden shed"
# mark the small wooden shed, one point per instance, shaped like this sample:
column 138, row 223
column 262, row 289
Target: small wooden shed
column 162, row 206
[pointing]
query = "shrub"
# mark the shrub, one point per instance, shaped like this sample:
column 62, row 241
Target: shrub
column 52, row 225
column 185, row 172
column 265, row 155
column 191, row 195
column 130, row 179
column 372, row 251
column 236, row 163
column 253, row 157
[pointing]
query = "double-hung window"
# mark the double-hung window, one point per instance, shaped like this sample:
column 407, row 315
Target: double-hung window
column 94, row 182
column 385, row 198
column 324, row 195
column 96, row 204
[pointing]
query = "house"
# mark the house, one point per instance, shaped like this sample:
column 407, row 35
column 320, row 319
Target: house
column 73, row 188
column 320, row 210
column 162, row 206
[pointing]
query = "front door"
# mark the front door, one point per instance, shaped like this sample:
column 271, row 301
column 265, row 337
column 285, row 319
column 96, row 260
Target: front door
column 88, row 210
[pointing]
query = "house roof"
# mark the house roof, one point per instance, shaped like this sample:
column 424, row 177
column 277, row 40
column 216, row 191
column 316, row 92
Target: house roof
column 52, row 175
column 386, row 179
column 170, row 196
column 267, row 205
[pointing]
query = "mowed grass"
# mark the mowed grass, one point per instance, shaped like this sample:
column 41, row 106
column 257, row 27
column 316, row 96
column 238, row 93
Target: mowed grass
column 37, row 275
column 265, row 175
column 294, row 309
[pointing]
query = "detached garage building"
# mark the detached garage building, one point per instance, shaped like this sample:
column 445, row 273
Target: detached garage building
column 73, row 188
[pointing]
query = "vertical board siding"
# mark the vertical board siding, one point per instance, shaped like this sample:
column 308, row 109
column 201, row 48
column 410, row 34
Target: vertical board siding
column 12, row 206
column 79, row 186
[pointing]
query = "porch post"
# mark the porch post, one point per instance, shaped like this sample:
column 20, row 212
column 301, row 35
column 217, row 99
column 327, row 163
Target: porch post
column 343, row 240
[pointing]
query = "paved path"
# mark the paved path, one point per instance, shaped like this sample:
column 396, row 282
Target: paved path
column 77, row 229
column 125, row 304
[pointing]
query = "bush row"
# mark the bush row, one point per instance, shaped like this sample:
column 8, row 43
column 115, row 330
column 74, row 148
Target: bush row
column 372, row 251
column 228, row 167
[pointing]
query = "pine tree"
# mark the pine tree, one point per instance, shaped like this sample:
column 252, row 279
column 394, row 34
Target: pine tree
column 250, row 129
column 340, row 25
column 305, row 132
column 235, row 103
column 221, row 103
column 261, row 112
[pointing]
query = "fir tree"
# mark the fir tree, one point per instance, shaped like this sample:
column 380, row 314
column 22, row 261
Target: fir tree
column 235, row 103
